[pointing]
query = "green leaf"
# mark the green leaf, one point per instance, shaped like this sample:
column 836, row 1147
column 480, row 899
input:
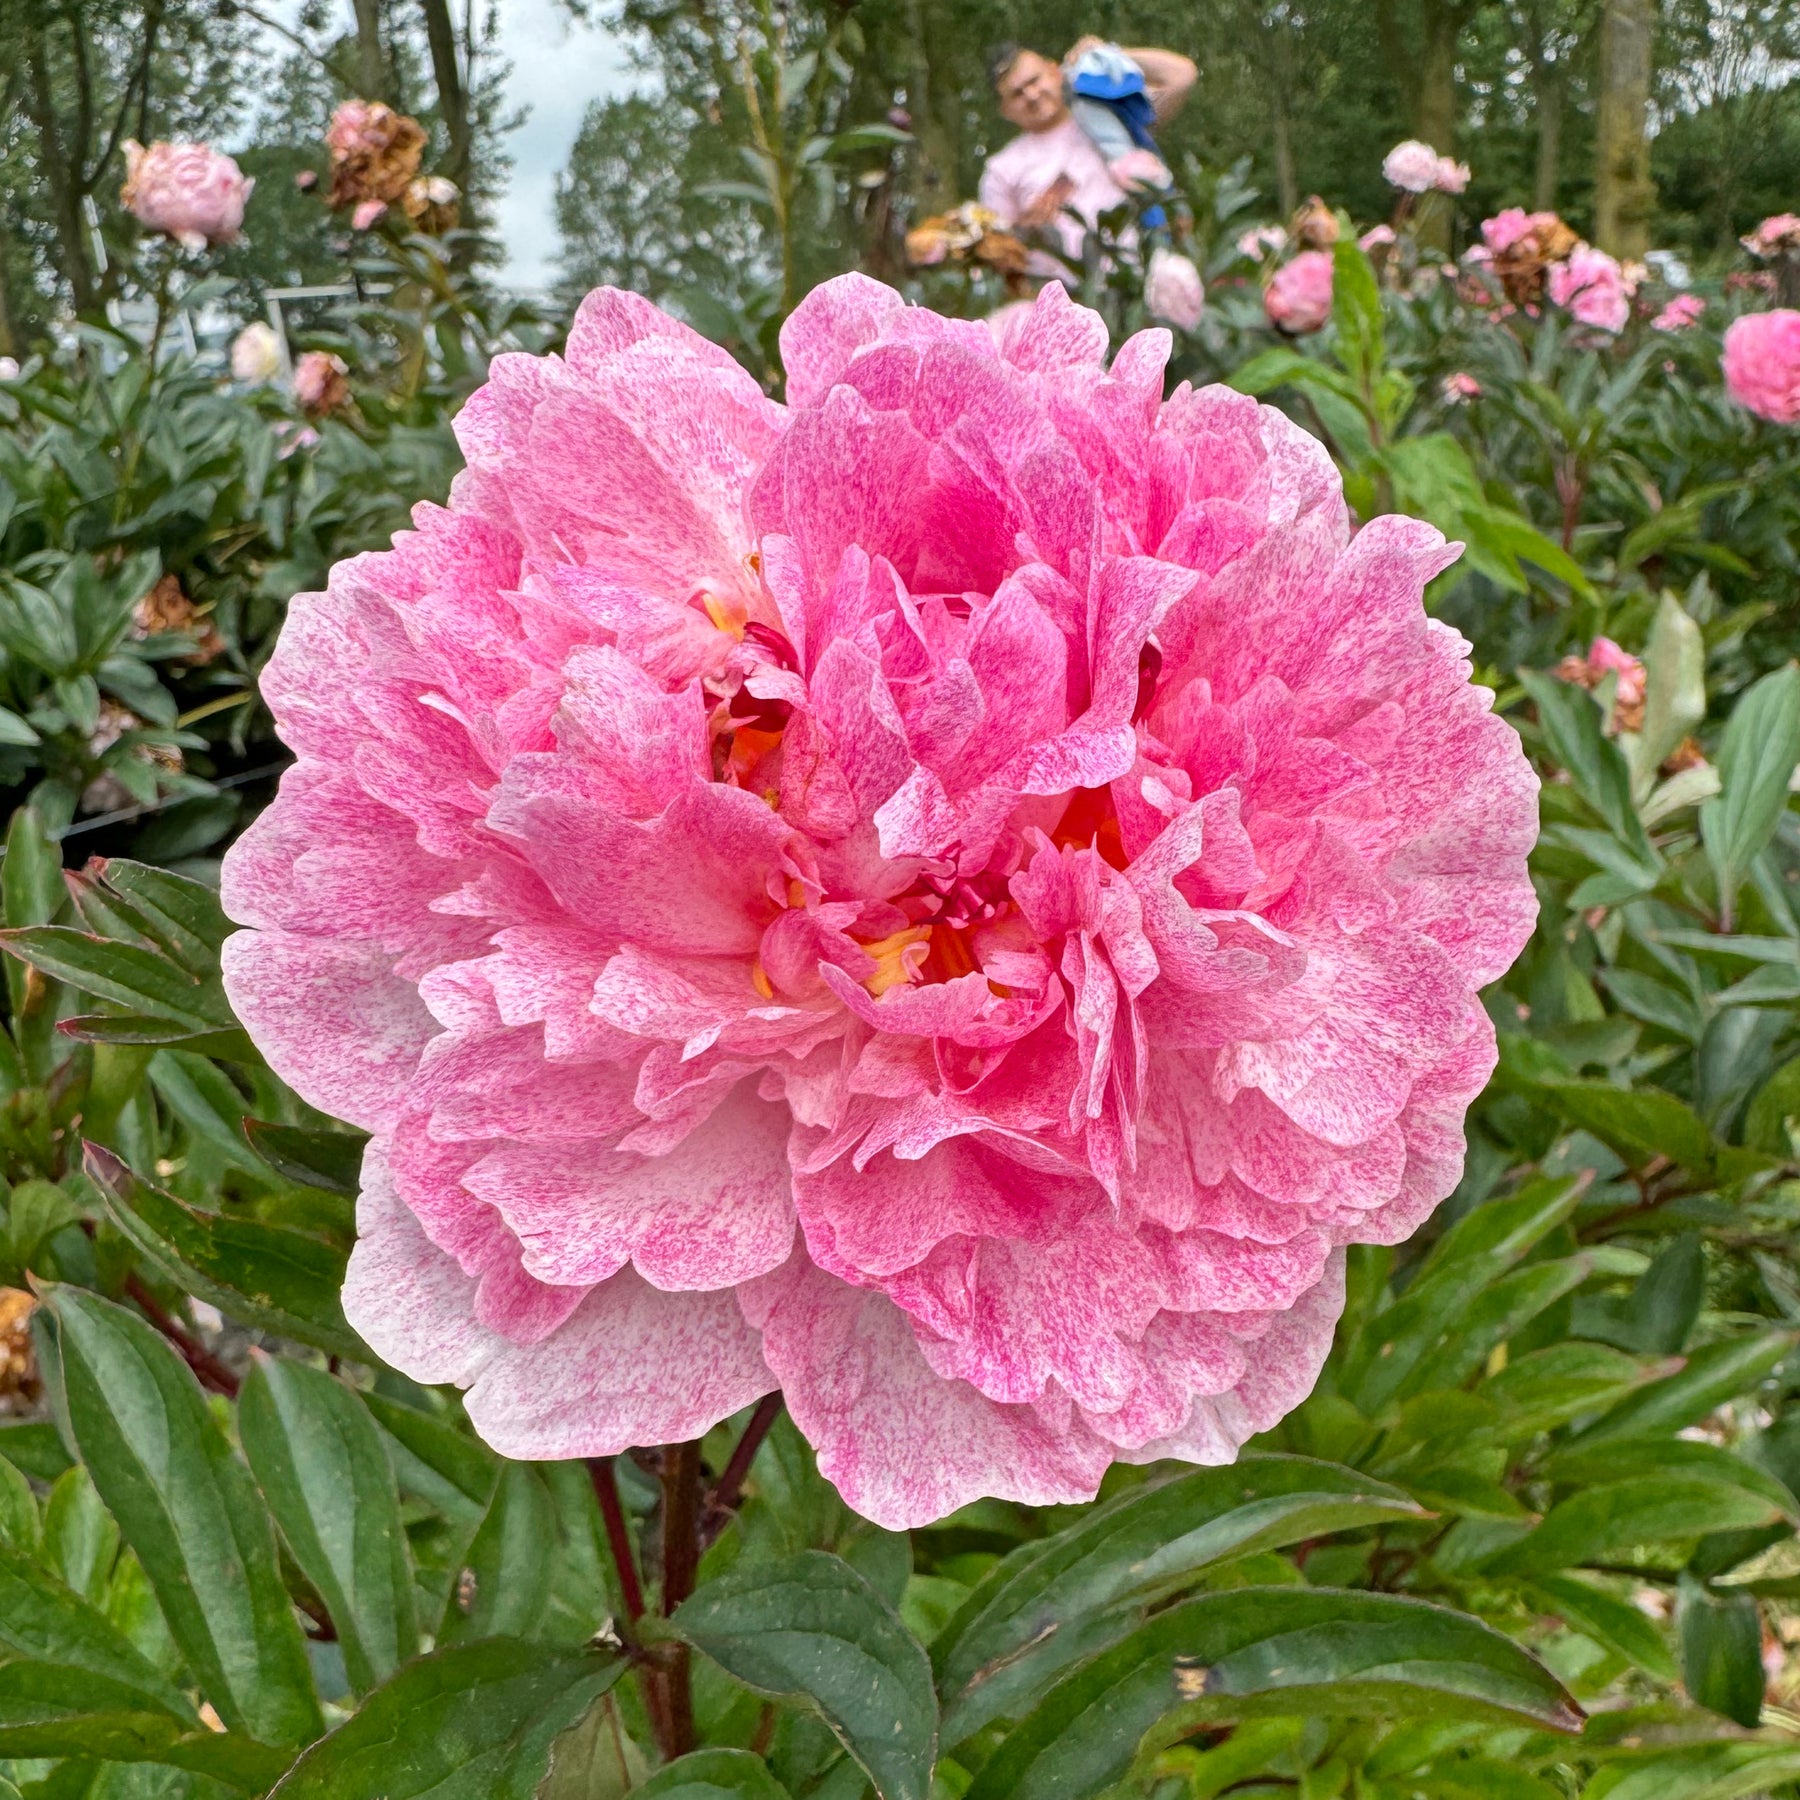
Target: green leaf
column 127, row 1737
column 1695, row 1772
column 1602, row 1522
column 127, row 975
column 809, row 1629
column 268, row 1276
column 325, row 1474
column 1424, row 1321
column 34, row 1445
column 473, row 1722
column 505, row 1579
column 595, row 1759
column 20, row 1526
column 1640, row 1123
column 31, row 881
column 1052, row 1601
column 713, row 1775
column 1756, row 760
column 1356, row 311
column 1777, row 1101
column 190, row 1511
column 1674, row 690
column 1550, row 1387
column 1712, row 1375
column 1608, row 1620
column 434, row 1461
column 183, row 915
column 1255, row 1651
column 46, row 1620
column 1721, row 1652
column 136, row 1029
column 1574, row 734
column 323, row 1159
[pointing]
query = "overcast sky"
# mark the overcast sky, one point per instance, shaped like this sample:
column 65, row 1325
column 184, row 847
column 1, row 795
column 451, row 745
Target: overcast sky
column 558, row 68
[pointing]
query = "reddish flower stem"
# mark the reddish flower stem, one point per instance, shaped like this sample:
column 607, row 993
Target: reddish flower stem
column 681, row 1563
column 207, row 1368
column 618, row 1539
column 722, row 1502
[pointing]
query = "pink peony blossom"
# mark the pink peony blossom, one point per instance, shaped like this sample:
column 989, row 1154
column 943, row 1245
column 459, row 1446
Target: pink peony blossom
column 1173, row 290
column 1505, row 228
column 1679, row 314
column 367, row 214
column 1413, row 166
column 1604, row 657
column 9, row 368
column 954, row 898
column 321, row 381
column 1591, row 287
column 1298, row 298
column 1762, row 364
column 1262, row 240
column 1461, row 386
column 1377, row 237
column 190, row 192
column 1452, row 176
column 1778, row 235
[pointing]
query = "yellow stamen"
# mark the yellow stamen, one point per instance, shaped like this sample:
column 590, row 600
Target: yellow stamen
column 796, row 892
column 725, row 617
column 760, row 981
column 897, row 958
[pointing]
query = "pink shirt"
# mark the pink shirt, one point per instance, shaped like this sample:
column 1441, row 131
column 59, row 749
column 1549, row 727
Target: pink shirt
column 1017, row 173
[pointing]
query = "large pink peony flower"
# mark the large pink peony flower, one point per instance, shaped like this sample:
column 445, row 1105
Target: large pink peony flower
column 190, row 192
column 1591, row 286
column 1298, row 297
column 954, row 898
column 1762, row 364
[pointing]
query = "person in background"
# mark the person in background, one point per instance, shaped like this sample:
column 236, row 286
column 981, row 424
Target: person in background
column 1052, row 174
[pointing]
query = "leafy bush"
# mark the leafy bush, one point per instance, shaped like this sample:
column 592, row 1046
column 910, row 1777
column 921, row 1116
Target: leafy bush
column 1532, row 1535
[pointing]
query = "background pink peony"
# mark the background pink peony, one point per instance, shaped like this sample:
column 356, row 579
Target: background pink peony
column 1173, row 290
column 1298, row 297
column 1762, row 364
column 190, row 192
column 1412, row 165
column 1452, row 177
column 955, row 897
column 1590, row 285
column 1679, row 313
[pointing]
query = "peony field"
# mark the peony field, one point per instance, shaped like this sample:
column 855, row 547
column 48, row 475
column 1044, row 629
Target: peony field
column 900, row 901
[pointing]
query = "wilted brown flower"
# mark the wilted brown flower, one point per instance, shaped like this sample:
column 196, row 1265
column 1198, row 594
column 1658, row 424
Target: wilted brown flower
column 1315, row 225
column 18, row 1364
column 431, row 202
column 165, row 608
column 967, row 233
column 106, row 792
column 375, row 152
column 1524, row 263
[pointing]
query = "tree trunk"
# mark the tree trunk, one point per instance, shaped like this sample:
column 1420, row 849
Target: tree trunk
column 74, row 254
column 1287, row 186
column 371, row 59
column 1623, row 190
column 446, row 72
column 1548, row 90
column 1435, row 111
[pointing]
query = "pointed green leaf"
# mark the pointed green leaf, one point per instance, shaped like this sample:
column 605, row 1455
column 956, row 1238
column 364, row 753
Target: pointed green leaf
column 473, row 1722
column 1756, row 760
column 505, row 1579
column 713, row 1775
column 1053, row 1601
column 189, row 1509
column 325, row 1159
column 1250, row 1651
column 1608, row 1620
column 319, row 1460
column 140, row 980
column 1721, row 1652
column 269, row 1276
column 809, row 1629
